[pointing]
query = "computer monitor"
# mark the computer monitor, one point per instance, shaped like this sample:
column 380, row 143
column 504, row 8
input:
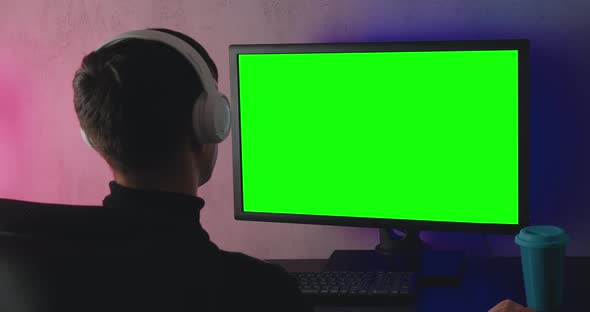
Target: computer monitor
column 412, row 135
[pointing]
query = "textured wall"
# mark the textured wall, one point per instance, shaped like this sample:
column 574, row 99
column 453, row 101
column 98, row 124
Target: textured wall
column 42, row 42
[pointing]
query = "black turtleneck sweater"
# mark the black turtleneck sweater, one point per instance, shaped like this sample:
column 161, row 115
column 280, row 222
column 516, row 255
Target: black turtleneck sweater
column 139, row 251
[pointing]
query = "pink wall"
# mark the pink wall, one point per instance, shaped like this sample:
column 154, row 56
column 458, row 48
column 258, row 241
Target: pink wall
column 42, row 157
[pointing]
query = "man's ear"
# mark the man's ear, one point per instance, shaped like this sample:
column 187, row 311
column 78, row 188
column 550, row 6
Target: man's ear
column 206, row 162
column 195, row 146
column 198, row 149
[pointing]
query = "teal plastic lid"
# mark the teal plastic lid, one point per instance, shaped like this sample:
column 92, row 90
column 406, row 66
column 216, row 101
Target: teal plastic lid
column 542, row 236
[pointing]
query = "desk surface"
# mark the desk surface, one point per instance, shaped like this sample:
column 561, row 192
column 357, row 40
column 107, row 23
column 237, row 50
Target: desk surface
column 487, row 281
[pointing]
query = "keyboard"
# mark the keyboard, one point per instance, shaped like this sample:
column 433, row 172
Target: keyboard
column 362, row 288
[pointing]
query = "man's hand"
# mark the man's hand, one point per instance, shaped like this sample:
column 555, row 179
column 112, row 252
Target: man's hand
column 510, row 306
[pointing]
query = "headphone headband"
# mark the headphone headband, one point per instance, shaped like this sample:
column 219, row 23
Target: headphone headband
column 199, row 64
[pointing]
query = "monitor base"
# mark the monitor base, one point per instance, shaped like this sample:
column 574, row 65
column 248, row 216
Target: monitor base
column 392, row 243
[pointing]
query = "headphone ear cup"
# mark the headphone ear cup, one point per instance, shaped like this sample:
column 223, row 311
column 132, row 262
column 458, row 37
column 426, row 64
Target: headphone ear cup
column 222, row 117
column 211, row 118
column 199, row 127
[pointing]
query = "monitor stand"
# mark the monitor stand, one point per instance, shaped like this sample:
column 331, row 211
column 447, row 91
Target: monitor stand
column 403, row 253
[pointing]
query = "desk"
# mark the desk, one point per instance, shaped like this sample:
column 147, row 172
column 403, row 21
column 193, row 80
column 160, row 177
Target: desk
column 487, row 281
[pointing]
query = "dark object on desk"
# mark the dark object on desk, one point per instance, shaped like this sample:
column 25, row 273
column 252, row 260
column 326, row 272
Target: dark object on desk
column 433, row 268
column 356, row 288
column 486, row 281
column 370, row 261
column 353, row 277
column 405, row 252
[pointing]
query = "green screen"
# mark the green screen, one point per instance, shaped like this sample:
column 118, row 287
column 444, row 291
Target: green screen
column 428, row 136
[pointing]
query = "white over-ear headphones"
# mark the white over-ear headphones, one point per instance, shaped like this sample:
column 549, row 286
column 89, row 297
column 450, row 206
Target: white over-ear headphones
column 211, row 111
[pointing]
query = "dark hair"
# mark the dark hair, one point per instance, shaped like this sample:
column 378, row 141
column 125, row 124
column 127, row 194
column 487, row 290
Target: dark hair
column 134, row 100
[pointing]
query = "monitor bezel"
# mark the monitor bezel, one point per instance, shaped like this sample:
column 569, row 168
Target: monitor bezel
column 522, row 45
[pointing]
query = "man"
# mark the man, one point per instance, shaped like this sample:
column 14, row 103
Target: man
column 135, row 100
column 148, row 104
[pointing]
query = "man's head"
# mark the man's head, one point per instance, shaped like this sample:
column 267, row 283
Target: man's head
column 134, row 99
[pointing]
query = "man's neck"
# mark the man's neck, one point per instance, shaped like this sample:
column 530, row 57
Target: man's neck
column 183, row 181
